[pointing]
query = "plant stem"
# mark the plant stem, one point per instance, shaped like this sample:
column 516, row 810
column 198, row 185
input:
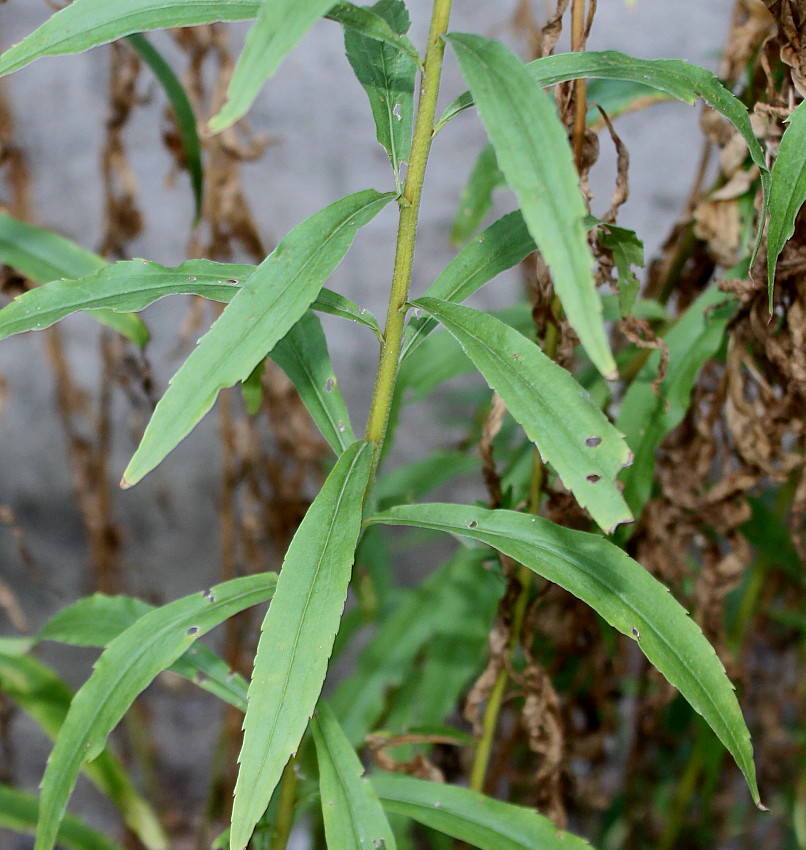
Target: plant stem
column 481, row 757
column 284, row 821
column 407, row 229
column 580, row 85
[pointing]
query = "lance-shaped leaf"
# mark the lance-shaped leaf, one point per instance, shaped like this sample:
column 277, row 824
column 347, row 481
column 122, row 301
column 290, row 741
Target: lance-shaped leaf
column 279, row 26
column 302, row 354
column 386, row 662
column 125, row 668
column 498, row 248
column 20, row 812
column 265, row 308
column 647, row 415
column 372, row 23
column 477, row 196
column 675, row 77
column 44, row 256
column 788, row 190
column 44, row 697
column 388, row 77
column 354, row 819
column 532, row 147
column 297, row 636
column 89, row 23
column 468, row 816
column 98, row 619
column 183, row 114
column 620, row 590
column 134, row 284
column 570, row 432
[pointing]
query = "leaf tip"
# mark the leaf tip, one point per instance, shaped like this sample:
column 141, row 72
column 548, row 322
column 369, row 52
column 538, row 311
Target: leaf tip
column 125, row 484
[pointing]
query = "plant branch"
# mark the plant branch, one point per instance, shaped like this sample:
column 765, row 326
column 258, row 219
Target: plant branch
column 407, row 229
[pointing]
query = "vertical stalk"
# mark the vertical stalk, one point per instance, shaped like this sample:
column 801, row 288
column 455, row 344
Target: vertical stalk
column 407, row 229
column 284, row 821
column 481, row 756
column 580, row 90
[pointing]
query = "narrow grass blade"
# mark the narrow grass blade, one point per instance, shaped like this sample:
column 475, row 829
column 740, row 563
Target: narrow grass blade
column 353, row 816
column 279, row 26
column 570, row 432
column 297, row 637
column 124, row 669
column 620, row 590
column 466, row 815
column 45, row 698
column 647, row 415
column 534, row 154
column 476, row 199
column 44, row 256
column 498, row 248
column 183, row 113
column 19, row 812
column 302, row 354
column 788, row 190
column 265, row 308
column 387, row 76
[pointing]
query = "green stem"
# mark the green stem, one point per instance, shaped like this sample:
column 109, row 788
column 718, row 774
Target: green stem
column 481, row 757
column 407, row 229
column 284, row 821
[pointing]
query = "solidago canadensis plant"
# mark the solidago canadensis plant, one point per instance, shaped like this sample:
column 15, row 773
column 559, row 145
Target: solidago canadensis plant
column 271, row 312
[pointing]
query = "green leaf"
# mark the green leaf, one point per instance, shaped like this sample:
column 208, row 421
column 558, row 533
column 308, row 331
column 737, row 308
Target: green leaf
column 302, row 354
column 279, row 26
column 385, row 663
column 647, row 416
column 674, row 76
column 788, row 190
column 354, row 819
column 297, row 636
column 19, row 811
column 98, row 619
column 252, row 388
column 476, row 199
column 570, row 432
column 388, row 77
column 539, row 169
column 94, row 620
column 411, row 481
column 44, row 256
column 135, row 284
column 620, row 590
column 41, row 694
column 627, row 251
column 265, row 308
column 183, row 113
column 618, row 97
column 472, row 817
column 125, row 668
column 89, row 23
column 498, row 248
column 371, row 23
